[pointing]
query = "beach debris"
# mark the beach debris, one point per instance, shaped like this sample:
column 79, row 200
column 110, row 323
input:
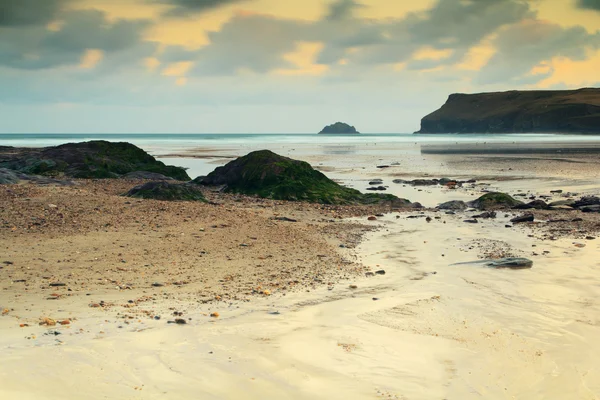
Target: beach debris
column 522, row 218
column 509, row 262
column 579, row 245
column 215, row 314
column 5, row 311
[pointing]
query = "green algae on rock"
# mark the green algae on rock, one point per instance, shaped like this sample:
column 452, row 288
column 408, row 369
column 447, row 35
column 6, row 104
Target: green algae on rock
column 96, row 159
column 494, row 200
column 269, row 175
column 167, row 191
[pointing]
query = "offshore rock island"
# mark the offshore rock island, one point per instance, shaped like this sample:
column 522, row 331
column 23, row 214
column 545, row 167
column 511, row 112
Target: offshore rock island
column 538, row 111
column 339, row 128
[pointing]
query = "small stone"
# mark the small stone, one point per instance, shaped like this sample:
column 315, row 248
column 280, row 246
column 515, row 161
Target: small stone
column 180, row 321
column 215, row 314
column 380, row 272
column 353, row 287
column 471, row 221
column 156, row 284
column 372, row 218
column 58, row 284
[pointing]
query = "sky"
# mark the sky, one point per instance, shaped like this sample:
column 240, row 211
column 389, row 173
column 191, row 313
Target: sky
column 278, row 66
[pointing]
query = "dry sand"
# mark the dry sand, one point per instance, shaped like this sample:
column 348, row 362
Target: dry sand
column 289, row 325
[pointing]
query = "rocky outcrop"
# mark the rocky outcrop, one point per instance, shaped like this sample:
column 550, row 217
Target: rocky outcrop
column 340, row 128
column 269, row 175
column 554, row 111
column 95, row 159
column 167, row 191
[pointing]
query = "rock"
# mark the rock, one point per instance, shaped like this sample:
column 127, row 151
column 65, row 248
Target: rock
column 453, row 205
column 372, row 218
column 180, row 321
column 494, row 200
column 471, row 221
column 151, row 176
column 380, row 272
column 376, row 182
column 214, row 314
column 523, row 218
column 486, row 214
column 57, row 284
column 378, row 188
column 536, row 204
column 96, row 159
column 511, row 262
column 586, row 201
column 558, row 191
column 592, row 208
column 353, row 287
column 561, row 203
column 156, row 284
column 285, row 219
column 269, row 175
column 339, row 128
column 167, row 192
column 383, row 166
column 10, row 177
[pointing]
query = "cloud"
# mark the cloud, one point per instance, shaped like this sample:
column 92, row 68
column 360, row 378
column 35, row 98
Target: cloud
column 254, row 43
column 522, row 47
column 29, row 12
column 183, row 8
column 342, row 9
column 589, row 4
column 37, row 47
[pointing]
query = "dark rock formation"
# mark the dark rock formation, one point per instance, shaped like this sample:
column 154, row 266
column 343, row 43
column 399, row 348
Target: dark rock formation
column 270, row 175
column 494, row 200
column 340, row 128
column 535, row 204
column 167, row 191
column 94, row 159
column 568, row 111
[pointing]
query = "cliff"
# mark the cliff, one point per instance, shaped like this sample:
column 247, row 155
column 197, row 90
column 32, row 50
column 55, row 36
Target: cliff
column 340, row 128
column 539, row 111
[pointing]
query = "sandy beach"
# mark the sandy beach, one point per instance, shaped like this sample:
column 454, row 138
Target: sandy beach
column 297, row 301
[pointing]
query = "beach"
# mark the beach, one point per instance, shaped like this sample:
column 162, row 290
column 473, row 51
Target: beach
column 291, row 300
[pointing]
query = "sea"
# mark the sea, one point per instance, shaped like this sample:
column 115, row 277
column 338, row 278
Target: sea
column 350, row 159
